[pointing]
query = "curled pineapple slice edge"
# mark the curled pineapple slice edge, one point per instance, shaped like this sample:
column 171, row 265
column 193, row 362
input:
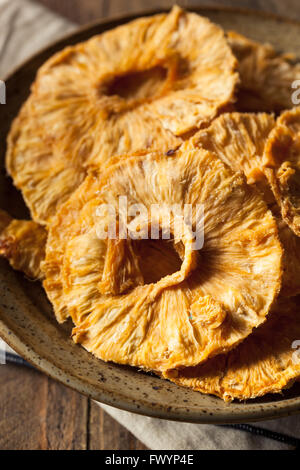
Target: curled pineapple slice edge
column 23, row 244
column 140, row 86
column 240, row 140
column 207, row 306
column 267, row 361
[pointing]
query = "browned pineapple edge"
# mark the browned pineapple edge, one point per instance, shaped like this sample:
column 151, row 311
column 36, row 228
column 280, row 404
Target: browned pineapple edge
column 23, row 306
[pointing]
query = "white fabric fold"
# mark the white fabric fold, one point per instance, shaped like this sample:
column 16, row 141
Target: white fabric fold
column 26, row 27
column 159, row 434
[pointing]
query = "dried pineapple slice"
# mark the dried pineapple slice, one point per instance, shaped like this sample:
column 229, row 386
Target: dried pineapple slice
column 139, row 86
column 282, row 166
column 266, row 76
column 266, row 362
column 239, row 139
column 291, row 256
column 154, row 306
column 23, row 243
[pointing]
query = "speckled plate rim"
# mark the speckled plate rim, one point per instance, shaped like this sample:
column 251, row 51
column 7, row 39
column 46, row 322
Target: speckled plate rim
column 247, row 411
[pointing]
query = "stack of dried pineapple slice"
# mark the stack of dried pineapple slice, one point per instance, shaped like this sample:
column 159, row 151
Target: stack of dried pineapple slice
column 167, row 111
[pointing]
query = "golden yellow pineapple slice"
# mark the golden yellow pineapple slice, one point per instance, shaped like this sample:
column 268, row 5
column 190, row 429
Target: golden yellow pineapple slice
column 163, row 304
column 282, row 166
column 239, row 139
column 291, row 256
column 140, row 86
column 23, row 243
column 266, row 362
column 266, row 76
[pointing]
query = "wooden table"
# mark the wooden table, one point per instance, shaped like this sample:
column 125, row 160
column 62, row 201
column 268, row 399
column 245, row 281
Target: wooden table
column 36, row 412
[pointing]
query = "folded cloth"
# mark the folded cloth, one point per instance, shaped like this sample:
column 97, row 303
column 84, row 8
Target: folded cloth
column 25, row 27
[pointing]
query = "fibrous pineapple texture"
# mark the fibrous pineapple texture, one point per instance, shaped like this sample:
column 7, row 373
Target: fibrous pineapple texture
column 239, row 139
column 119, row 136
column 162, row 304
column 23, row 243
column 266, row 362
column 266, row 76
column 140, row 86
column 282, row 166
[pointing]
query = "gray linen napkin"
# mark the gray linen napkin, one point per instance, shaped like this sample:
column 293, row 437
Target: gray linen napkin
column 25, row 27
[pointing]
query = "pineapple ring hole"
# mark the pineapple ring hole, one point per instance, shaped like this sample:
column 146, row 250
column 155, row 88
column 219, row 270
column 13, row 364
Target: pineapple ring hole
column 157, row 259
column 138, row 86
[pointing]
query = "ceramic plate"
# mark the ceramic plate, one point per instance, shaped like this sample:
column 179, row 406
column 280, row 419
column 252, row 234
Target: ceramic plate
column 26, row 319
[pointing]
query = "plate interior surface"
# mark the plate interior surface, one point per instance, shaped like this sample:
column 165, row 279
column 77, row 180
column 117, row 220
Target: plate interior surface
column 26, row 318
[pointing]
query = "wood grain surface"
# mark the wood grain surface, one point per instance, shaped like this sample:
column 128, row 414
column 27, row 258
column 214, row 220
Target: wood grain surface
column 36, row 412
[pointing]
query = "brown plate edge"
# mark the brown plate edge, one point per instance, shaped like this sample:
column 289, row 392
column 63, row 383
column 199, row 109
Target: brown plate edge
column 272, row 410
